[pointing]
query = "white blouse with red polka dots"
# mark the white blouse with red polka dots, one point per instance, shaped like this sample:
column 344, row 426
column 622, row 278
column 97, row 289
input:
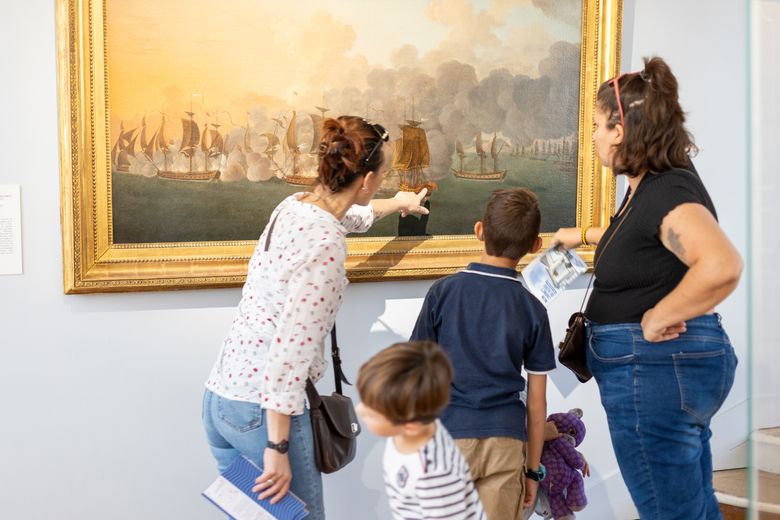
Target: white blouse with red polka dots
column 288, row 306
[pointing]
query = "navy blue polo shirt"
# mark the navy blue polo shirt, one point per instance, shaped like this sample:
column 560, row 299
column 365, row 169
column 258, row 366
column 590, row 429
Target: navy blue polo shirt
column 491, row 327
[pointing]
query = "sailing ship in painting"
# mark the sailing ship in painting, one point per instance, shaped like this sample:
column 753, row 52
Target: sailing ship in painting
column 482, row 174
column 290, row 168
column 296, row 175
column 211, row 142
column 191, row 141
column 411, row 158
column 204, row 150
column 123, row 149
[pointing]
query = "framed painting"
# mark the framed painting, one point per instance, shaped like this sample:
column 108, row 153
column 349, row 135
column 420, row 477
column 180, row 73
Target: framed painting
column 183, row 123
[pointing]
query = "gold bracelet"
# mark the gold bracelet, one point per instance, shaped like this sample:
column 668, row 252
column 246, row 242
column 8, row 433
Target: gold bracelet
column 584, row 236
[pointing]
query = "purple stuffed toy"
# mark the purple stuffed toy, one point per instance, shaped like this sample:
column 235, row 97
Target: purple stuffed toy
column 563, row 484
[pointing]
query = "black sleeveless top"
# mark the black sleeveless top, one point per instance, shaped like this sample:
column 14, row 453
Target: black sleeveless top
column 637, row 271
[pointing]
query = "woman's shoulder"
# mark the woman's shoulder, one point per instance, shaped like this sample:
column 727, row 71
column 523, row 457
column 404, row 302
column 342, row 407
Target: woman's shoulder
column 679, row 179
column 675, row 176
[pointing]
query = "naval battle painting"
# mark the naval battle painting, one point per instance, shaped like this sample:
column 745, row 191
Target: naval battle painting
column 202, row 117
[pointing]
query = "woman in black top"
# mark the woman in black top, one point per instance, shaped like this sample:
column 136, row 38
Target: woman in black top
column 663, row 363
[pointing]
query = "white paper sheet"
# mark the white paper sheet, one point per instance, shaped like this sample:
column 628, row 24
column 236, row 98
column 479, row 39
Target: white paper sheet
column 10, row 229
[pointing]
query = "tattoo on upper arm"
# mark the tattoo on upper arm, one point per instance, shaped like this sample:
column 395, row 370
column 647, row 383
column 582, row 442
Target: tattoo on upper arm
column 675, row 244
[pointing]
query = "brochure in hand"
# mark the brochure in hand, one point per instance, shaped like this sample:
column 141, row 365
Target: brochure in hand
column 549, row 273
column 232, row 493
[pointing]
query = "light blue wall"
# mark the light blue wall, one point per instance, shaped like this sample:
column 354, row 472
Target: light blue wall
column 101, row 393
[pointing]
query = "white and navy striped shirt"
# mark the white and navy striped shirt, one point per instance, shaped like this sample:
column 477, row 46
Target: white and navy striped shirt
column 432, row 483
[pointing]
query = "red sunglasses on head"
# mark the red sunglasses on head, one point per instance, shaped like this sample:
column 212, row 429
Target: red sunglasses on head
column 616, row 83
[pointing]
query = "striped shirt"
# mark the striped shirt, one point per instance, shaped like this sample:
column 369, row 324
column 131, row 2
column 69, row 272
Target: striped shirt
column 432, row 483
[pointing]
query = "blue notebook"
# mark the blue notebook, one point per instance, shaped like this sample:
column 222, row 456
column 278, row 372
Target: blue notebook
column 232, row 493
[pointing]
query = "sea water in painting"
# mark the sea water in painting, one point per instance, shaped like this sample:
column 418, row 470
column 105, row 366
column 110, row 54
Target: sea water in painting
column 215, row 108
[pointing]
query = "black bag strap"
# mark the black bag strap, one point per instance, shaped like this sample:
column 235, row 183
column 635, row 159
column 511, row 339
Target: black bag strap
column 338, row 373
column 270, row 232
column 601, row 255
column 311, row 391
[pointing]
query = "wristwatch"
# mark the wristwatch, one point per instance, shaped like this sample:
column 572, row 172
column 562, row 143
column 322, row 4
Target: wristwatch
column 537, row 475
column 281, row 446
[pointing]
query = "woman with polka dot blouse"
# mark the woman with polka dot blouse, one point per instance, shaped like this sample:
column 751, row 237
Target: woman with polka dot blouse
column 254, row 399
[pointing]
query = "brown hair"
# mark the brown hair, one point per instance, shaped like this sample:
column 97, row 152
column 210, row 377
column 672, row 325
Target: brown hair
column 654, row 135
column 345, row 151
column 511, row 222
column 407, row 382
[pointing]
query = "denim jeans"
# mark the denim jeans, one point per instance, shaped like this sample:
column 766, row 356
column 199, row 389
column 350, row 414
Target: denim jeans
column 659, row 399
column 237, row 427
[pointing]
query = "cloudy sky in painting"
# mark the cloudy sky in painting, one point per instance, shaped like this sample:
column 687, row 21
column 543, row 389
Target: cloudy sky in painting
column 237, row 55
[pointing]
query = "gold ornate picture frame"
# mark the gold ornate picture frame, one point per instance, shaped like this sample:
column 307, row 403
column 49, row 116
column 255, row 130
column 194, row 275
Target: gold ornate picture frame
column 94, row 262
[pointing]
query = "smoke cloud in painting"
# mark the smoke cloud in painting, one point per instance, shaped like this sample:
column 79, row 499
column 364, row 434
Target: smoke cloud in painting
column 520, row 86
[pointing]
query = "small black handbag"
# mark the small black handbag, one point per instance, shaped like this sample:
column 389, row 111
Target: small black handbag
column 334, row 423
column 572, row 349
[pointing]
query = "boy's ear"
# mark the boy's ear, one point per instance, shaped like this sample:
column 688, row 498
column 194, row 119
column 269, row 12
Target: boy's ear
column 479, row 230
column 537, row 245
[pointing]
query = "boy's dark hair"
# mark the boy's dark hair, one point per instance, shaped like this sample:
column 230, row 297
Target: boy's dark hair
column 511, row 223
column 655, row 138
column 407, row 382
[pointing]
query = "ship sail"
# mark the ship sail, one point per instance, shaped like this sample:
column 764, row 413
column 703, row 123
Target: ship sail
column 130, row 146
column 150, row 146
column 411, row 150
column 162, row 141
column 144, row 142
column 480, row 151
column 290, row 137
column 316, row 123
column 190, row 136
column 217, row 143
column 122, row 162
column 493, row 153
column 273, row 143
column 203, row 137
column 459, row 149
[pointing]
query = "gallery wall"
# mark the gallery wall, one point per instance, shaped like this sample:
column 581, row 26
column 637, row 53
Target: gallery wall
column 100, row 394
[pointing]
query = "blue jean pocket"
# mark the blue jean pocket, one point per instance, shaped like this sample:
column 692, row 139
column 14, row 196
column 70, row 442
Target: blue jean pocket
column 613, row 346
column 704, row 380
column 239, row 415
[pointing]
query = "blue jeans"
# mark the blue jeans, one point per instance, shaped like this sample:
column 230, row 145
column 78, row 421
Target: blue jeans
column 659, row 399
column 237, row 427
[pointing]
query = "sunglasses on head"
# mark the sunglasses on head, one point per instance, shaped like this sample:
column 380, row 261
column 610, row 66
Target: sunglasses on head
column 383, row 137
column 616, row 84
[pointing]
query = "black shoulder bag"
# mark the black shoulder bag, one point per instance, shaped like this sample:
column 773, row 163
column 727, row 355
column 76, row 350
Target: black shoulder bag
column 572, row 350
column 334, row 423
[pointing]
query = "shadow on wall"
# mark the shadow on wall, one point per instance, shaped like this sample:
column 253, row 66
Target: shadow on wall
column 362, row 331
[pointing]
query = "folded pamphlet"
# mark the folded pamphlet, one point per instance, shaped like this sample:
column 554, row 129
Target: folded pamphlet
column 232, row 493
column 549, row 273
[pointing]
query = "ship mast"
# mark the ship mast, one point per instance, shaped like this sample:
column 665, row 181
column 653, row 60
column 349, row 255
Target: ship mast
column 480, row 152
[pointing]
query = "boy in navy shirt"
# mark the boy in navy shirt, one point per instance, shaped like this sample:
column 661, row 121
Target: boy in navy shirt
column 492, row 327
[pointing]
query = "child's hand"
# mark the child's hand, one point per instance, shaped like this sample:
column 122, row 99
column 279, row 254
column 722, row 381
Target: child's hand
column 551, row 431
column 531, row 488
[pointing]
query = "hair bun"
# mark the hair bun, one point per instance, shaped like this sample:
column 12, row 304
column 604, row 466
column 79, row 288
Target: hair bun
column 343, row 143
column 658, row 74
